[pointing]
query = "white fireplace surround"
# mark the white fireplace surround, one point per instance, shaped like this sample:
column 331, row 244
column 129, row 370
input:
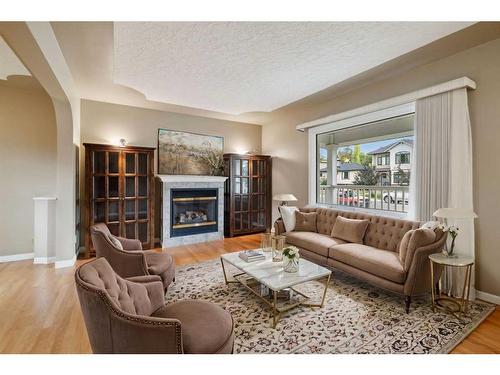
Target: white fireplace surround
column 170, row 182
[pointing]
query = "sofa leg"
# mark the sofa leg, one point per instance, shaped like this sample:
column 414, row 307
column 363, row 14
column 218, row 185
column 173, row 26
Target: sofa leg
column 407, row 303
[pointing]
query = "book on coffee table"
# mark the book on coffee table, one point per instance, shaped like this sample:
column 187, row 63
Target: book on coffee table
column 251, row 256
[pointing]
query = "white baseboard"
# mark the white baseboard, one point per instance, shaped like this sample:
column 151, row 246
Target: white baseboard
column 44, row 260
column 16, row 257
column 65, row 263
column 488, row 297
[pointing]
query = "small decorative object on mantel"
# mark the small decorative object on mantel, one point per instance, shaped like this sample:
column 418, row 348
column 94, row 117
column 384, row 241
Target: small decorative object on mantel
column 278, row 244
column 291, row 259
column 184, row 153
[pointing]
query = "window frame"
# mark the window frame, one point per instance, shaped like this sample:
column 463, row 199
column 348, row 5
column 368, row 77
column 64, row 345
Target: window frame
column 402, row 153
column 362, row 119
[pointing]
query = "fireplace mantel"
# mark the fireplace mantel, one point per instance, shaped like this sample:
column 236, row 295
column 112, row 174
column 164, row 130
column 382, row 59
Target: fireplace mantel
column 190, row 178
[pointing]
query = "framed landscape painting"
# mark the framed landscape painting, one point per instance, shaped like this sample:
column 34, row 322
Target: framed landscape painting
column 189, row 153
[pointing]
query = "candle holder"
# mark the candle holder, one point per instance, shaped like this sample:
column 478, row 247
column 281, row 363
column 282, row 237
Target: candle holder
column 278, row 243
column 266, row 242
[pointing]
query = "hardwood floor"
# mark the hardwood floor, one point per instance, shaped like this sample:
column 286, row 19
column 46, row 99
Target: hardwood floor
column 40, row 312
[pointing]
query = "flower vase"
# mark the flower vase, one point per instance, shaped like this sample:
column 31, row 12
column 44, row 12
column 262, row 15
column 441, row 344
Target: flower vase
column 291, row 264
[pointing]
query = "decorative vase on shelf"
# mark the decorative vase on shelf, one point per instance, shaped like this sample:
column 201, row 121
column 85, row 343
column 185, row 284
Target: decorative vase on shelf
column 291, row 264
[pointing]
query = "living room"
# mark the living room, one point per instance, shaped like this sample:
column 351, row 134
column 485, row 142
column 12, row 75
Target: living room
column 249, row 186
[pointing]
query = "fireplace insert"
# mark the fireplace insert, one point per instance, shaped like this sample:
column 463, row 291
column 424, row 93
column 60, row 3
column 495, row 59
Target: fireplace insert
column 194, row 211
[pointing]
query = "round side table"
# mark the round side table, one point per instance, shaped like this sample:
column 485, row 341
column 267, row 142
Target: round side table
column 456, row 261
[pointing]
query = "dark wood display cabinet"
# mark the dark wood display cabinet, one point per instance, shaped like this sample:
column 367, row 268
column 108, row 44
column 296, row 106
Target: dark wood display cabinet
column 119, row 191
column 247, row 194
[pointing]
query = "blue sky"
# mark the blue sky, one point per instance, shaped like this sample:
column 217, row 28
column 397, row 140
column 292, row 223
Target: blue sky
column 367, row 147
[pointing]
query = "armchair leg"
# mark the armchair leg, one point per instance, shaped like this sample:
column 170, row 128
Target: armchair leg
column 407, row 303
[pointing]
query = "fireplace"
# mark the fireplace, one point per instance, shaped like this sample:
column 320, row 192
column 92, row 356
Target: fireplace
column 194, row 211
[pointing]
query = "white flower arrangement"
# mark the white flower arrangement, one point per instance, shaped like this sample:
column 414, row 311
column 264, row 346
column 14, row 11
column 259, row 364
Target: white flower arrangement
column 291, row 252
column 453, row 231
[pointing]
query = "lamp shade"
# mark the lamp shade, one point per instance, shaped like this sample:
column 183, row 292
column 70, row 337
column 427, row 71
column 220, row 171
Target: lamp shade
column 455, row 213
column 284, row 197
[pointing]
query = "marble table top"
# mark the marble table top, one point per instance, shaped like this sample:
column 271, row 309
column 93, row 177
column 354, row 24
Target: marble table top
column 272, row 274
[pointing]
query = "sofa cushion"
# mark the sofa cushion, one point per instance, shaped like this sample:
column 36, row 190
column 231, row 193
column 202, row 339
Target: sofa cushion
column 206, row 327
column 382, row 263
column 288, row 216
column 382, row 232
column 350, row 230
column 315, row 242
column 305, row 222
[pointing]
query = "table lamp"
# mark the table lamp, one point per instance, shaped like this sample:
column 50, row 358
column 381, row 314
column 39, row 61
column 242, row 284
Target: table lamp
column 454, row 213
column 284, row 198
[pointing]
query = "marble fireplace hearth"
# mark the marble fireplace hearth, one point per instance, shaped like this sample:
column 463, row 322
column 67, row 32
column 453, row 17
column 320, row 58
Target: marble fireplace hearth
column 211, row 226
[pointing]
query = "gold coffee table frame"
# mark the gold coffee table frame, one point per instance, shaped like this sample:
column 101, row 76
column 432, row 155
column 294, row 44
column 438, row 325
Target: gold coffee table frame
column 273, row 303
column 461, row 302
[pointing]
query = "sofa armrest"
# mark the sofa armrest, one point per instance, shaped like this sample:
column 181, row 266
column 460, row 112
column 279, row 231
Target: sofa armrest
column 145, row 334
column 279, row 227
column 130, row 244
column 418, row 280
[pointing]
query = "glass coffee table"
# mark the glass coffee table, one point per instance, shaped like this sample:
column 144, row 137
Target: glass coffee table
column 257, row 276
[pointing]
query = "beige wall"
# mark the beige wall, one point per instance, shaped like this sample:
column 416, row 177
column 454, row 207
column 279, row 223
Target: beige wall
column 482, row 64
column 27, row 163
column 107, row 123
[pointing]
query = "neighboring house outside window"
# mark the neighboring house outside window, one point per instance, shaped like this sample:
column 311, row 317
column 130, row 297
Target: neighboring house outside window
column 390, row 159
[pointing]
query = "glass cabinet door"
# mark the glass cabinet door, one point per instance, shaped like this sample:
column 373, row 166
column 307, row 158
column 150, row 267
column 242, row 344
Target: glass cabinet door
column 258, row 194
column 241, row 187
column 136, row 195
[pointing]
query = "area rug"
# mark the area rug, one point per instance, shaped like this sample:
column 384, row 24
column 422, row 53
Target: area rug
column 356, row 318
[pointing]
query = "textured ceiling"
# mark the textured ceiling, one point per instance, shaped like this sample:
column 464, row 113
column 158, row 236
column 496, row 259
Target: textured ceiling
column 239, row 67
column 10, row 65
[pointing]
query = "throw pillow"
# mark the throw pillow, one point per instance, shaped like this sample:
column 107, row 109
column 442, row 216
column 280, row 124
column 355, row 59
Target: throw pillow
column 305, row 221
column 350, row 230
column 115, row 242
column 288, row 216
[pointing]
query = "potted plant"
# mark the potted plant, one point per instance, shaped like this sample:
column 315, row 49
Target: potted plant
column 291, row 259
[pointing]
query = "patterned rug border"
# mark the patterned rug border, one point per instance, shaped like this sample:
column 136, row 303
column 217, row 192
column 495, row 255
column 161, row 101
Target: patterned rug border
column 446, row 349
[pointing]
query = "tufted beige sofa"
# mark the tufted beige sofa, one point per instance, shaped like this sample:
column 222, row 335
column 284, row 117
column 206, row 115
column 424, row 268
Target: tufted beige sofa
column 386, row 258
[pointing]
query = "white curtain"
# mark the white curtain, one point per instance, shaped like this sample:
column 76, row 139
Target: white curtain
column 442, row 171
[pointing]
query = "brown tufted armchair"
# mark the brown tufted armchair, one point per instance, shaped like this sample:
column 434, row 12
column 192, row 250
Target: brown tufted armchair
column 122, row 316
column 128, row 259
